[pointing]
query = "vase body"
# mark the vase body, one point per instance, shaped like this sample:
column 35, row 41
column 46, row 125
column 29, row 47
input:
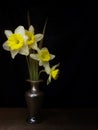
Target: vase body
column 34, row 100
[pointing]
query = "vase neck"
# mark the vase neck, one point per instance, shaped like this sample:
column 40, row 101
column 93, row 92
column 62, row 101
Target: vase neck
column 35, row 86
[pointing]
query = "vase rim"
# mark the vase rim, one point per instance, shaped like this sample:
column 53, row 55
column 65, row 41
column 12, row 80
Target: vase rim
column 34, row 81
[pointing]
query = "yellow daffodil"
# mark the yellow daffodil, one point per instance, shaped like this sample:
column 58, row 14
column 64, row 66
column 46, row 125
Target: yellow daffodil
column 52, row 72
column 33, row 38
column 16, row 42
column 43, row 56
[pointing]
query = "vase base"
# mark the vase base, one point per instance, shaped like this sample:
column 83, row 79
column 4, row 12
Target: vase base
column 32, row 120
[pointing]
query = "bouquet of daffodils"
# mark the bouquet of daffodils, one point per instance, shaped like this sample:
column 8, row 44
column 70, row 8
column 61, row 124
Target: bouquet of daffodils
column 26, row 42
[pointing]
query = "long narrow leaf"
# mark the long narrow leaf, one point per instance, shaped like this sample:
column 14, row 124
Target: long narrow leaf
column 43, row 32
column 28, row 18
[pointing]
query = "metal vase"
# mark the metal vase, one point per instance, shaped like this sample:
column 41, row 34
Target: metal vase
column 34, row 100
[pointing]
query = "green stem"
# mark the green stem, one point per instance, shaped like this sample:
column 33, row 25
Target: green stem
column 28, row 65
column 41, row 72
column 33, row 67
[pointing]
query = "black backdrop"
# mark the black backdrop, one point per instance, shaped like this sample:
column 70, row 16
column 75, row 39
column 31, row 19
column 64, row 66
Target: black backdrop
column 70, row 35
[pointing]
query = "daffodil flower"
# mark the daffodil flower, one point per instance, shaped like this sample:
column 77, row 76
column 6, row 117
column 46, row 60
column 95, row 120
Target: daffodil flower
column 25, row 42
column 43, row 56
column 33, row 38
column 16, row 42
column 52, row 72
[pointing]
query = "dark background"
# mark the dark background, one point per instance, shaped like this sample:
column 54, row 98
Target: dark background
column 70, row 35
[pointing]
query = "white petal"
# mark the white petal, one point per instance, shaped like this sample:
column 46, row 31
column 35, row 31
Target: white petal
column 5, row 46
column 20, row 30
column 40, row 63
column 34, row 56
column 8, row 33
column 34, row 46
column 55, row 66
column 24, row 50
column 47, row 67
column 52, row 56
column 44, row 48
column 38, row 37
column 49, row 80
column 14, row 53
column 31, row 29
column 25, row 39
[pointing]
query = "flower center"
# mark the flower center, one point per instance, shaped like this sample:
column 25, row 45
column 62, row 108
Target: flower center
column 15, row 41
column 44, row 55
column 31, row 38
